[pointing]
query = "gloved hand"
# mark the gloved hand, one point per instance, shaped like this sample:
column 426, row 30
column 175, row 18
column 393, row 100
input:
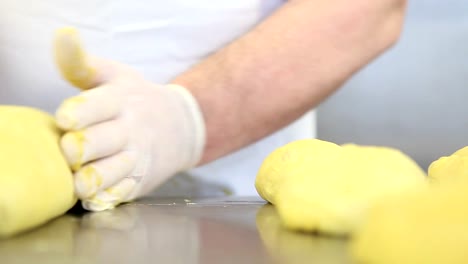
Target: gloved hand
column 126, row 135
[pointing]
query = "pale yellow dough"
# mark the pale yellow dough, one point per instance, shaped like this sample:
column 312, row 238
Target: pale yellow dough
column 320, row 186
column 453, row 167
column 426, row 226
column 36, row 183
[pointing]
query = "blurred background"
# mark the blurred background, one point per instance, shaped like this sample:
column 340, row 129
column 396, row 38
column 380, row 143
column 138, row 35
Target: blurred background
column 415, row 96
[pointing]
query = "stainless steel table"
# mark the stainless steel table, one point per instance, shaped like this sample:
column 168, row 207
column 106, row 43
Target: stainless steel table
column 173, row 230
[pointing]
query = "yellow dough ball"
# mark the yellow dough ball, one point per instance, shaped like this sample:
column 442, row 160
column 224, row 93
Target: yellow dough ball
column 288, row 161
column 453, row 167
column 428, row 226
column 462, row 152
column 36, row 183
column 329, row 189
column 425, row 226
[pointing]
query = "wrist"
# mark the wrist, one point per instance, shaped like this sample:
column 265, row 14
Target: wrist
column 196, row 124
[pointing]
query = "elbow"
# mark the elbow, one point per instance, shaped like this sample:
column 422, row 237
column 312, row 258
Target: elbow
column 392, row 26
column 379, row 24
column 380, row 20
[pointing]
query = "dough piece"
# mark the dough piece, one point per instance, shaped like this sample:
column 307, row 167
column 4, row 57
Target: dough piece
column 36, row 183
column 428, row 226
column 453, row 167
column 319, row 186
column 290, row 160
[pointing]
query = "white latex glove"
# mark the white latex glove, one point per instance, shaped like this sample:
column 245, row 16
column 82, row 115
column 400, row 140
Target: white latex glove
column 127, row 135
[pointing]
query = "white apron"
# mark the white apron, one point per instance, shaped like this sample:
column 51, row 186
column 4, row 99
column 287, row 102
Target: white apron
column 160, row 38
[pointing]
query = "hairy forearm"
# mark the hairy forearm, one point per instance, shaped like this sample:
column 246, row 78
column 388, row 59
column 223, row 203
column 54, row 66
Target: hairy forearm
column 286, row 66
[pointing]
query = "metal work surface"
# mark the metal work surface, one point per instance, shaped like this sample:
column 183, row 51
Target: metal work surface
column 172, row 230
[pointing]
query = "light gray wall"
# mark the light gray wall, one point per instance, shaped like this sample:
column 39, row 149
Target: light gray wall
column 415, row 96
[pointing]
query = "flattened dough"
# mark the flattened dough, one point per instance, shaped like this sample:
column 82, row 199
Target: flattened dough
column 320, row 186
column 36, row 183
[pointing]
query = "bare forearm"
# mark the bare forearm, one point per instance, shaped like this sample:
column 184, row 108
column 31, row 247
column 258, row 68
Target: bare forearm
column 286, row 66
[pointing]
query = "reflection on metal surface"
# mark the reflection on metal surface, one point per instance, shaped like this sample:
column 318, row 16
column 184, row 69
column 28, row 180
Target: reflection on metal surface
column 295, row 248
column 129, row 234
column 54, row 243
column 203, row 202
column 221, row 230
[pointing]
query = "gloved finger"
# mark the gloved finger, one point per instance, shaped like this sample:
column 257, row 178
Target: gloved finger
column 95, row 142
column 88, row 108
column 102, row 174
column 110, row 197
column 79, row 68
column 72, row 61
